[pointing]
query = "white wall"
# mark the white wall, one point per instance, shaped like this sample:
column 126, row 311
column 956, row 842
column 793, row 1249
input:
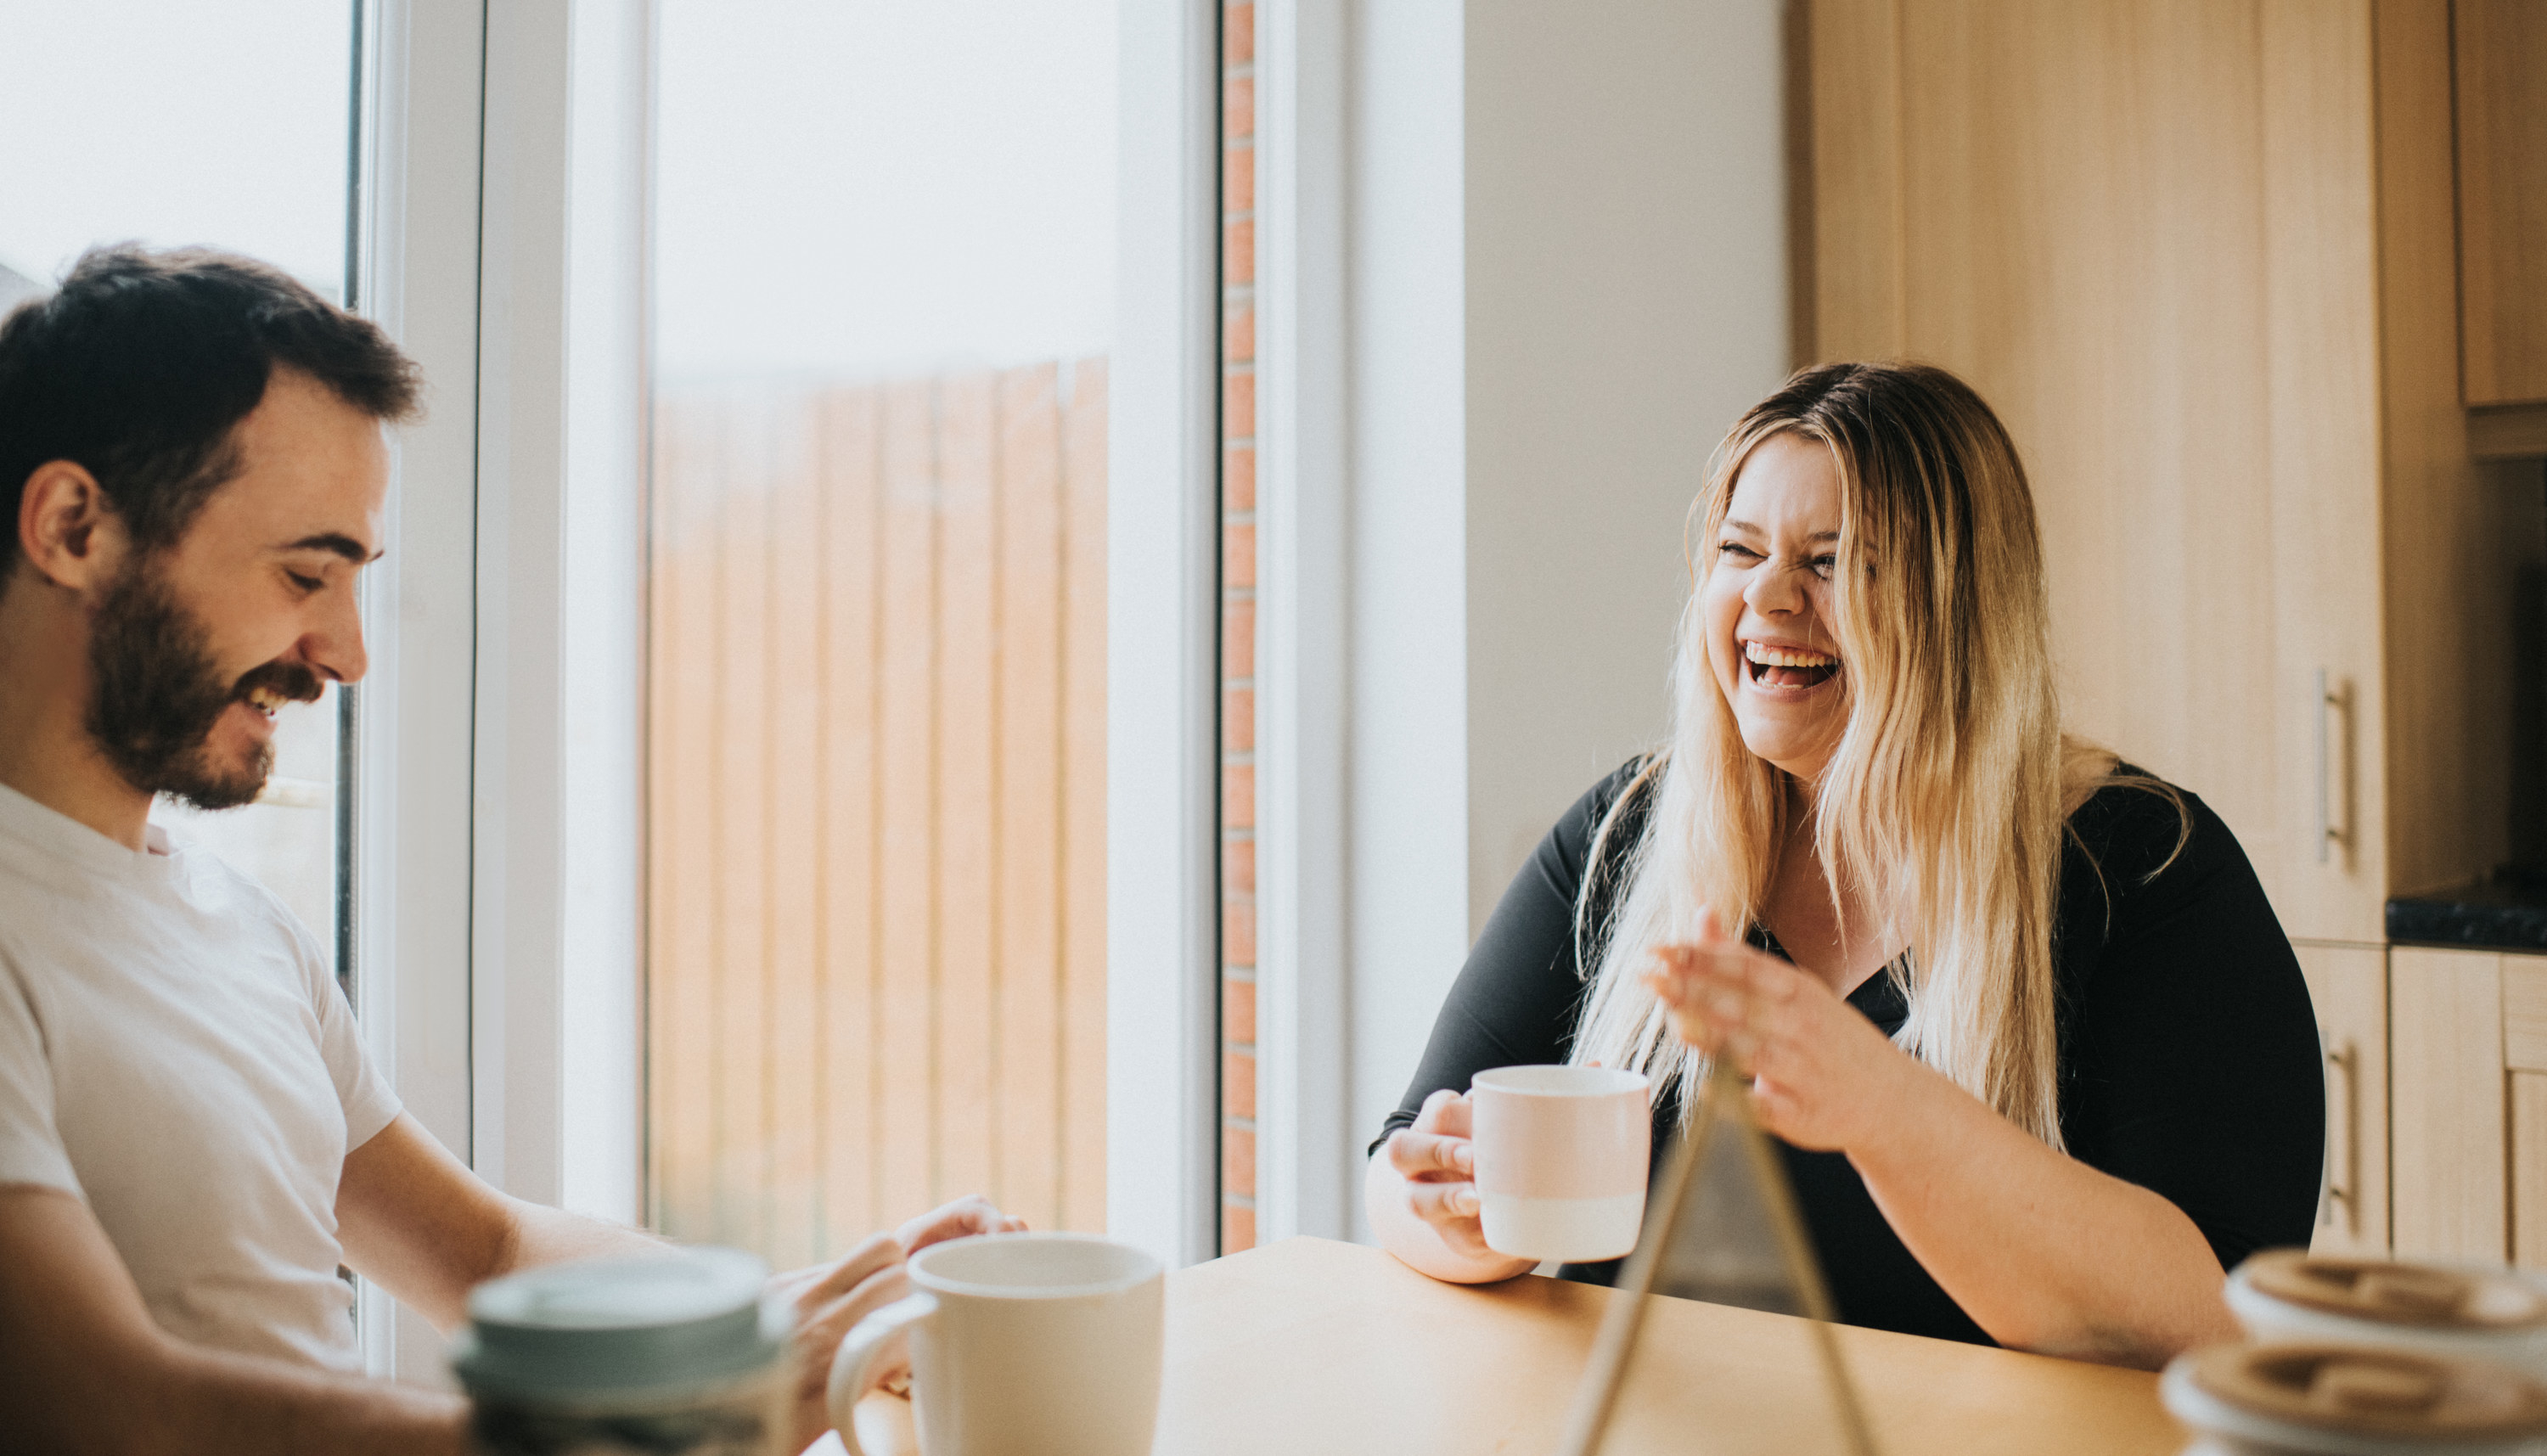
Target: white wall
column 1406, row 748
column 1626, row 299
column 1562, row 276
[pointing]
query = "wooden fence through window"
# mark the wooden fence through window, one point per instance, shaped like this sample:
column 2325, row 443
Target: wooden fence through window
column 876, row 826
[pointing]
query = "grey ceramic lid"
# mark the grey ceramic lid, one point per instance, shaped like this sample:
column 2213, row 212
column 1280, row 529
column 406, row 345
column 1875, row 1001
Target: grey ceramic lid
column 691, row 1317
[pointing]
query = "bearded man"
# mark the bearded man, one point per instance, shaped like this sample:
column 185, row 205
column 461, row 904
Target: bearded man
column 192, row 1141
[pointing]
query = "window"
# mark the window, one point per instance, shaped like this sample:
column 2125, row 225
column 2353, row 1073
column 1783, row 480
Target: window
column 876, row 869
column 226, row 125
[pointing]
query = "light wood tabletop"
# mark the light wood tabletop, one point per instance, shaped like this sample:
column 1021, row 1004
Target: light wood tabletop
column 1313, row 1345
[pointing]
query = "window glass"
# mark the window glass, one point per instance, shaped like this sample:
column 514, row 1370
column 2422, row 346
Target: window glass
column 883, row 267
column 221, row 125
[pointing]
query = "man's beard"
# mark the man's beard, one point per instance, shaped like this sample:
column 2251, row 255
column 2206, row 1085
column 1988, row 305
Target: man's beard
column 159, row 694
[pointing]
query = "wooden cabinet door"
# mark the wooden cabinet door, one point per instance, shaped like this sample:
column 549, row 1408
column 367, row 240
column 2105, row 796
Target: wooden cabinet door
column 2145, row 233
column 2501, row 84
column 2524, row 1058
column 2447, row 1097
column 2348, row 983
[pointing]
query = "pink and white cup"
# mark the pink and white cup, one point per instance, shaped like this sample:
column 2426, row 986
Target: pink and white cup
column 1561, row 1157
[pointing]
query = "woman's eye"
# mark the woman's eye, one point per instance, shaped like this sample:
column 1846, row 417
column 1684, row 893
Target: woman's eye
column 1822, row 566
column 1737, row 548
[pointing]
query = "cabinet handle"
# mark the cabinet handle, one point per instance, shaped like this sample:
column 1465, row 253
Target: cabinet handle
column 2329, row 702
column 2344, row 1113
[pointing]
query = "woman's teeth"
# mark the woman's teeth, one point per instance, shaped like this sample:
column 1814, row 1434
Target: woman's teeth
column 1788, row 668
column 1769, row 656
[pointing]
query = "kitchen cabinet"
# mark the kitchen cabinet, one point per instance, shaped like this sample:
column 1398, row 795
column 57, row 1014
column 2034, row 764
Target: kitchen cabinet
column 2500, row 53
column 2468, row 1080
column 2208, row 262
column 2446, row 1116
column 2203, row 261
column 2349, row 985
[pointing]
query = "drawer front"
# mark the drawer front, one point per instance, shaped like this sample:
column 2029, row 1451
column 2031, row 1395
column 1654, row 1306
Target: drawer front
column 2449, row 1099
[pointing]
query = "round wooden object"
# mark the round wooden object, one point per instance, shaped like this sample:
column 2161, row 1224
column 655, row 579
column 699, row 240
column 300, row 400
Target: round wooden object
column 2375, row 1392
column 2397, row 1294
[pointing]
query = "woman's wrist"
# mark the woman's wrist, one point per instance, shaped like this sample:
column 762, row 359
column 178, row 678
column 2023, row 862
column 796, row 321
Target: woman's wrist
column 1910, row 1108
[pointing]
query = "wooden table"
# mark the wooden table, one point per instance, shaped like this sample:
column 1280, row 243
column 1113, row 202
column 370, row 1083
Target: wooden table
column 1314, row 1346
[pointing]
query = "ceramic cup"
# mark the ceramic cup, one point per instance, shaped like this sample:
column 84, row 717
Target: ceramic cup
column 1042, row 1342
column 2321, row 1399
column 1561, row 1157
column 2474, row 1312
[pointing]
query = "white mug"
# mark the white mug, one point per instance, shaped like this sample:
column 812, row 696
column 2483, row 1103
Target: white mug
column 1562, row 1159
column 1020, row 1343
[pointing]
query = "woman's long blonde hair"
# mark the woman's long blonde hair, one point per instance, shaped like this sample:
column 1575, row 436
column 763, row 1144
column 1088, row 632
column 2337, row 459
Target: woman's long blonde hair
column 1947, row 795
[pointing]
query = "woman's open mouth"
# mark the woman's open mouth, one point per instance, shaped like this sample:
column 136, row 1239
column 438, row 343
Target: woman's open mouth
column 1787, row 668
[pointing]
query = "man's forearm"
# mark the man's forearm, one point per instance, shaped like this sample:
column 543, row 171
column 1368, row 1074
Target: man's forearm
column 203, row 1403
column 551, row 1236
column 217, row 1403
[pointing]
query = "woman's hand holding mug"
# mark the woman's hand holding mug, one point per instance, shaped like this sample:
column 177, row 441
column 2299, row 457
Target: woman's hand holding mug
column 1439, row 1162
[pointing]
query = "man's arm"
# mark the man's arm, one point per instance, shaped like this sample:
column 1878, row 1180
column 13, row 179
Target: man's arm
column 84, row 1368
column 417, row 1222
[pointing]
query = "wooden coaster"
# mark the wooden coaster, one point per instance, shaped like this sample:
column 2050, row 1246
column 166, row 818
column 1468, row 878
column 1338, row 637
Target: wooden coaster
column 2396, row 1294
column 2375, row 1392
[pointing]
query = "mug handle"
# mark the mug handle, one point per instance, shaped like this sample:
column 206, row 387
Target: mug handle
column 853, row 1365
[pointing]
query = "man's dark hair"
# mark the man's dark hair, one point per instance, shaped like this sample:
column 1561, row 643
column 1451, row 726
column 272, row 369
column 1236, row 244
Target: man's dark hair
column 142, row 363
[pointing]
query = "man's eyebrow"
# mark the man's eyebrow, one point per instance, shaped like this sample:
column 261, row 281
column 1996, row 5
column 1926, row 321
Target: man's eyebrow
column 342, row 545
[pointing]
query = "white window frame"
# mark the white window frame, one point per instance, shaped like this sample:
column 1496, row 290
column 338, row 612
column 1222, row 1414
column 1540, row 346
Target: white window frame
column 1161, row 653
column 1304, row 1143
column 500, row 746
column 498, row 830
column 423, row 96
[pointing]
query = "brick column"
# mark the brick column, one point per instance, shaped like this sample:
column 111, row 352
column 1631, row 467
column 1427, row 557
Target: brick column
column 1238, row 628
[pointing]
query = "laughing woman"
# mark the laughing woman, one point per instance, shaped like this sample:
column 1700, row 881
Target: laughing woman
column 2040, row 1057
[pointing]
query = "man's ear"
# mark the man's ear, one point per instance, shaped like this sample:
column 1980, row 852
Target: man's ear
column 66, row 528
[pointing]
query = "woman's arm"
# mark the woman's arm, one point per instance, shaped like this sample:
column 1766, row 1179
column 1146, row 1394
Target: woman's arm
column 1513, row 1004
column 2045, row 1253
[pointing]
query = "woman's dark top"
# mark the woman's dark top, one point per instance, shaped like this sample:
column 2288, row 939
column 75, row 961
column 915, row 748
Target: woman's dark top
column 2188, row 1052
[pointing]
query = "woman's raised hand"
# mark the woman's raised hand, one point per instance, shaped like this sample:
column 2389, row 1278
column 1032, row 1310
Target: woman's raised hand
column 1823, row 1078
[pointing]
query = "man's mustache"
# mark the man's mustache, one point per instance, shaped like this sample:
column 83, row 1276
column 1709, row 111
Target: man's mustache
column 294, row 682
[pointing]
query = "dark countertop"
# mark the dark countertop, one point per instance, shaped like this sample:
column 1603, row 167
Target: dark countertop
column 2498, row 914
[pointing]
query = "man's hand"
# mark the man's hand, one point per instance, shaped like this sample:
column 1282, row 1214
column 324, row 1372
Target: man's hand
column 828, row 1300
column 962, row 1219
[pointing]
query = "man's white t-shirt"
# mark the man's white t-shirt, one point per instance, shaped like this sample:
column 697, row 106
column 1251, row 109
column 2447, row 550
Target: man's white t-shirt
column 174, row 1052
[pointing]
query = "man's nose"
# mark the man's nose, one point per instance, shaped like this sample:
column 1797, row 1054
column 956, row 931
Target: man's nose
column 334, row 644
